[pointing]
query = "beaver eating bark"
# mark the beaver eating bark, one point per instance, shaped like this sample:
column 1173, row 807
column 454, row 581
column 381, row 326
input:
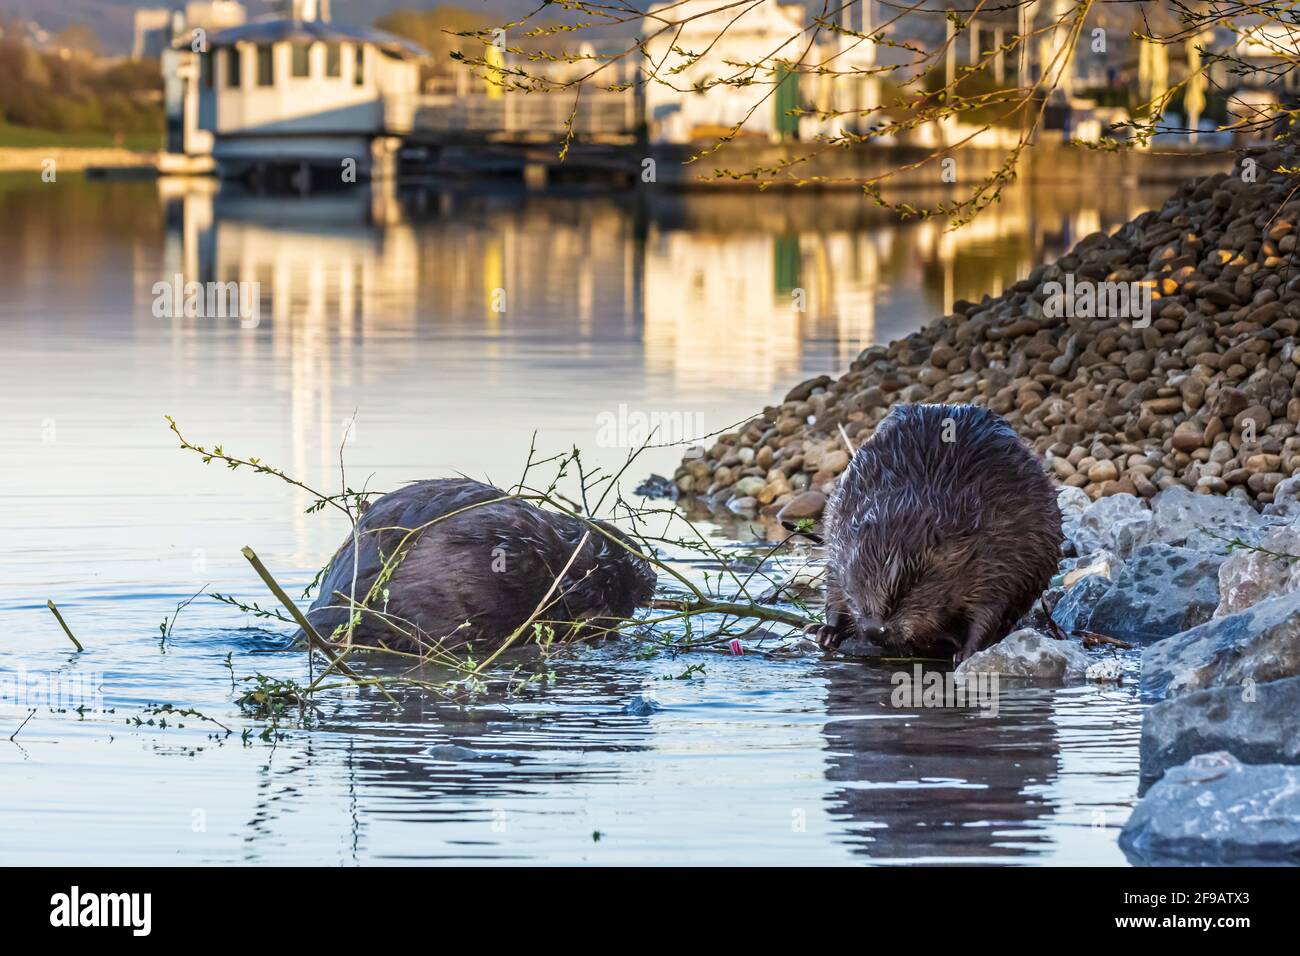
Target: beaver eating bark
column 475, row 568
column 942, row 533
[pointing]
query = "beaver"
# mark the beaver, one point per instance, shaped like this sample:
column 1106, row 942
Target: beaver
column 479, row 573
column 942, row 533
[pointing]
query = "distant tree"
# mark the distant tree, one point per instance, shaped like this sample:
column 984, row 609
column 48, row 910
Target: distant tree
column 131, row 76
column 455, row 35
column 441, row 31
column 45, row 90
column 79, row 37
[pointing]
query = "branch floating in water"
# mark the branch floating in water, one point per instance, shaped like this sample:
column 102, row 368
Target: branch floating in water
column 64, row 624
column 733, row 608
column 1093, row 639
column 694, row 600
column 313, row 636
column 23, row 724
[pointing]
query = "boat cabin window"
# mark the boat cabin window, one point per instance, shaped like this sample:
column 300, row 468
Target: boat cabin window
column 265, row 72
column 333, row 65
column 205, row 69
column 359, row 62
column 234, row 65
column 302, row 59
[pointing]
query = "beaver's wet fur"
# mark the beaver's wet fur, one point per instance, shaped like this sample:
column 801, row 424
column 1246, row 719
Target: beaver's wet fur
column 475, row 576
column 942, row 533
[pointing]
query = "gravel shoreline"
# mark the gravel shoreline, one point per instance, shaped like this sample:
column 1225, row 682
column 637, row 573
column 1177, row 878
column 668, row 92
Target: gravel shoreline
column 1193, row 383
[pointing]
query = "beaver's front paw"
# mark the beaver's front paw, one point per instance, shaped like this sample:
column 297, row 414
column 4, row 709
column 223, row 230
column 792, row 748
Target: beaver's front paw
column 829, row 637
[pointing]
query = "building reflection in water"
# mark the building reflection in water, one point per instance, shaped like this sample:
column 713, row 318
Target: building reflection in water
column 662, row 299
column 756, row 297
column 755, row 277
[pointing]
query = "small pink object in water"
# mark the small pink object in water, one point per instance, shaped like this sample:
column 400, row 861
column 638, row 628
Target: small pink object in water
column 736, row 648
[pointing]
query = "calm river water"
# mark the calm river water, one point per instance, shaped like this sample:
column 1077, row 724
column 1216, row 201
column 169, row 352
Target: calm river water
column 455, row 327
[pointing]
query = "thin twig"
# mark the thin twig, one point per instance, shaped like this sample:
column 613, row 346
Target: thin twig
column 23, row 724
column 1093, row 639
column 582, row 542
column 1055, row 628
column 313, row 636
column 64, row 624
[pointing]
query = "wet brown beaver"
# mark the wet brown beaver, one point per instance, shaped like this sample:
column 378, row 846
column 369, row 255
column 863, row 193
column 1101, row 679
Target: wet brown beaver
column 942, row 533
column 476, row 576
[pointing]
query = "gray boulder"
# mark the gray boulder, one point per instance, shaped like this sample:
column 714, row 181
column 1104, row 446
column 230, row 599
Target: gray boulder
column 454, row 753
column 1201, row 522
column 1073, row 502
column 1215, row 809
column 1074, row 609
column 1031, row 655
column 1286, row 499
column 1113, row 523
column 642, row 706
column 1257, row 723
column 1259, row 644
column 1159, row 591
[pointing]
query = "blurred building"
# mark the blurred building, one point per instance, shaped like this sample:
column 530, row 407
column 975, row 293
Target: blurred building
column 689, row 102
column 171, row 36
column 293, row 90
column 153, row 33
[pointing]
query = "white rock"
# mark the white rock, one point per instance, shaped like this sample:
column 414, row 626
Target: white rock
column 1072, row 501
column 1098, row 564
column 1248, row 577
column 1109, row 671
column 1113, row 523
column 1286, row 499
column 1203, row 522
column 1029, row 654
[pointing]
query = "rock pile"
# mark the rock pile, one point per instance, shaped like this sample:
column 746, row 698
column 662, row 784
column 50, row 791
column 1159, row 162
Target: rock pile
column 1196, row 387
column 1216, row 809
column 1210, row 589
column 1218, row 625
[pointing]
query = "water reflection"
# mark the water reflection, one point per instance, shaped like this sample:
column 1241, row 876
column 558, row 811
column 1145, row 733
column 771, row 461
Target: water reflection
column 940, row 782
column 382, row 304
column 460, row 781
column 699, row 291
column 760, row 279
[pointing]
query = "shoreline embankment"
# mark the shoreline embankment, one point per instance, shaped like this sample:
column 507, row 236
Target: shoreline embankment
column 1162, row 354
